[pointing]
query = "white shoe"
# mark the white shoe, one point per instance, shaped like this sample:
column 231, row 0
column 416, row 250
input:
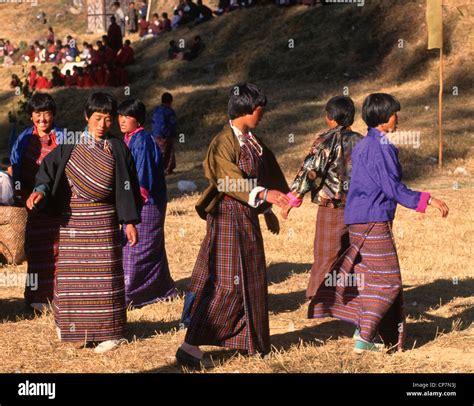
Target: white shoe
column 109, row 345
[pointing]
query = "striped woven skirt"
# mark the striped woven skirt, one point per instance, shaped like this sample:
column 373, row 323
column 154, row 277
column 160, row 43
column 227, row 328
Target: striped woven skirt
column 228, row 285
column 147, row 275
column 41, row 249
column 331, row 240
column 89, row 295
column 365, row 286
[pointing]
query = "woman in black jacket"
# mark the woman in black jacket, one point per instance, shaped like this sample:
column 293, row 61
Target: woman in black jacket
column 91, row 182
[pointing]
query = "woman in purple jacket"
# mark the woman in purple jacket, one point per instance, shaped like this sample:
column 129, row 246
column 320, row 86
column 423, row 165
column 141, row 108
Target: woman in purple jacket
column 365, row 286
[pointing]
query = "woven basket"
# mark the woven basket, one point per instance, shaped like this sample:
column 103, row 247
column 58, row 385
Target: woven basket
column 12, row 233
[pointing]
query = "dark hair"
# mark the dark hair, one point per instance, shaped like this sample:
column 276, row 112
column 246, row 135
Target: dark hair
column 378, row 108
column 101, row 102
column 133, row 108
column 164, row 15
column 127, row 42
column 244, row 99
column 166, row 98
column 341, row 109
column 41, row 102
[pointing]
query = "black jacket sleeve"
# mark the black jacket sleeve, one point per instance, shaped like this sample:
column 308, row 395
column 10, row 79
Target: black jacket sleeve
column 46, row 180
column 127, row 188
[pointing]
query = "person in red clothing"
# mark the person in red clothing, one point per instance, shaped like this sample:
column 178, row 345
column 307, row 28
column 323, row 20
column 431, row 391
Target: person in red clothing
column 109, row 55
column 165, row 23
column 50, row 51
column 143, row 26
column 126, row 56
column 80, row 77
column 75, row 76
column 99, row 75
column 30, row 55
column 154, row 27
column 68, row 79
column 88, row 78
column 95, row 55
column 114, row 35
column 42, row 82
column 57, row 79
column 32, row 76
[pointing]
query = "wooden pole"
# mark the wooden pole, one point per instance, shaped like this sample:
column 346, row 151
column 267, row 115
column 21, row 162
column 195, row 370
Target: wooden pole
column 440, row 108
column 148, row 9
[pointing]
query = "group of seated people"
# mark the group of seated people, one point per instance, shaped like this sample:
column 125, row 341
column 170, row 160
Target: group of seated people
column 82, row 77
column 186, row 12
column 101, row 66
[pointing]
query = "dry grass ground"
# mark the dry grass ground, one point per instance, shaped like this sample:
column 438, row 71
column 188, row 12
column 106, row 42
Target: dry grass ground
column 436, row 254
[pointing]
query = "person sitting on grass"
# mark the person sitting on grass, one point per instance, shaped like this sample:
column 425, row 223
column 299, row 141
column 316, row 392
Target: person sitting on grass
column 196, row 49
column 126, row 55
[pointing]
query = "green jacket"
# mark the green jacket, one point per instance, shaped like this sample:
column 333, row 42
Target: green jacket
column 222, row 160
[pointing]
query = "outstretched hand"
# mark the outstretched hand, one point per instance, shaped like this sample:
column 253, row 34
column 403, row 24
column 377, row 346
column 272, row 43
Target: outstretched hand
column 276, row 197
column 441, row 206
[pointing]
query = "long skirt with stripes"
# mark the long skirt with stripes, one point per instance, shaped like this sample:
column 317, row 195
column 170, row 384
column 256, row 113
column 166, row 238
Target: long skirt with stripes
column 41, row 249
column 365, row 286
column 227, row 300
column 147, row 275
column 42, row 231
column 89, row 299
column 331, row 240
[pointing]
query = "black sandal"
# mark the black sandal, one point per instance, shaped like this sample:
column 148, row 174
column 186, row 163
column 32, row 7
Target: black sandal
column 187, row 359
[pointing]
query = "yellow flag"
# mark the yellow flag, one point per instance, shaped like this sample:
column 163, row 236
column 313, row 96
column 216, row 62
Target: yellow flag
column 434, row 19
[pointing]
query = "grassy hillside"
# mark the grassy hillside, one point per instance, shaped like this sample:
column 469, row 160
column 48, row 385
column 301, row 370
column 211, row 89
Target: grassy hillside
column 336, row 48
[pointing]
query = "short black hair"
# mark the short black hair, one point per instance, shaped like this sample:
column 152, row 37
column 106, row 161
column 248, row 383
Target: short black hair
column 378, row 108
column 133, row 108
column 244, row 99
column 101, row 102
column 41, row 102
column 341, row 109
column 166, row 97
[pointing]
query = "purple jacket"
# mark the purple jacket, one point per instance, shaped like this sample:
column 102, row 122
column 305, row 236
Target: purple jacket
column 376, row 186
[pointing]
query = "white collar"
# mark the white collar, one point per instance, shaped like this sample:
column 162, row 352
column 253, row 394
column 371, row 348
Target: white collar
column 239, row 134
